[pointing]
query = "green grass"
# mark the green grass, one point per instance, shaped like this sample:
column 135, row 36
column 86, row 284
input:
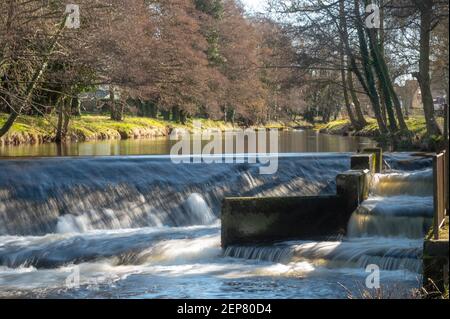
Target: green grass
column 37, row 129
column 415, row 124
column 333, row 126
column 291, row 124
column 92, row 126
column 82, row 128
column 31, row 129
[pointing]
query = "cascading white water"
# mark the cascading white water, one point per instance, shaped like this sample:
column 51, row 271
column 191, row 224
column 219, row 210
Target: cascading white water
column 402, row 254
column 194, row 208
column 386, row 229
column 143, row 227
column 399, row 205
column 43, row 196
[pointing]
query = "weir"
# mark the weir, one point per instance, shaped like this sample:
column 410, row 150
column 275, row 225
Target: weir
column 269, row 219
column 129, row 215
column 51, row 195
column 375, row 218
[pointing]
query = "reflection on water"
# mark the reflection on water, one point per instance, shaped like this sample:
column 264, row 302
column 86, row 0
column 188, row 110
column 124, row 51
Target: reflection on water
column 289, row 142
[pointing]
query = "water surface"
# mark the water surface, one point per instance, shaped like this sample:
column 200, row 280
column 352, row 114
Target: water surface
column 289, row 142
column 144, row 227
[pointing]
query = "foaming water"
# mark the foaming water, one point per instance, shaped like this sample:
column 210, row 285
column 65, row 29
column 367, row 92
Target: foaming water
column 142, row 227
column 415, row 183
column 400, row 205
column 42, row 196
column 396, row 216
column 194, row 266
column 358, row 253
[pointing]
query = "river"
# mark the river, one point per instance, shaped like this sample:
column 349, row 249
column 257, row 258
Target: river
column 298, row 141
column 144, row 227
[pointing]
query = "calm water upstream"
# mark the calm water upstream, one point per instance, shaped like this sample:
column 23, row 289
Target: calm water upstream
column 289, row 142
column 144, row 227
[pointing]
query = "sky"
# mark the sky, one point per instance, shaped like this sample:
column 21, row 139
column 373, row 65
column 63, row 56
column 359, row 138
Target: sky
column 255, row 5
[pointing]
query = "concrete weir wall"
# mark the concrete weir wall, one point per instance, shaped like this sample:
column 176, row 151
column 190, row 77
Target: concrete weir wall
column 271, row 219
column 250, row 220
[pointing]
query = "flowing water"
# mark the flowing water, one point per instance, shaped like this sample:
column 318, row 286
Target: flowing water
column 143, row 227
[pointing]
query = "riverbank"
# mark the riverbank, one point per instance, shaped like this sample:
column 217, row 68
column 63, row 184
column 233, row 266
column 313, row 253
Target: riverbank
column 39, row 130
column 416, row 125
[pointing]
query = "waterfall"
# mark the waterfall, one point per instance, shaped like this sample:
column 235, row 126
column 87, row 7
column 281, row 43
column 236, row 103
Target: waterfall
column 400, row 205
column 41, row 196
column 144, row 226
column 387, row 254
column 387, row 229
column 415, row 183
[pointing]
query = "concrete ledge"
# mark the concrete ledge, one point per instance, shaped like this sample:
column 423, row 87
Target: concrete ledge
column 363, row 162
column 436, row 248
column 268, row 219
column 353, row 187
column 377, row 157
column 259, row 220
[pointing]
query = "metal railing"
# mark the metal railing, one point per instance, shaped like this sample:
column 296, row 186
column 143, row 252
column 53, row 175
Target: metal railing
column 440, row 190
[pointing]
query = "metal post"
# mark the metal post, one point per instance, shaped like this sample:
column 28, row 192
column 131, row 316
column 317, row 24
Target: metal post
column 439, row 194
column 446, row 141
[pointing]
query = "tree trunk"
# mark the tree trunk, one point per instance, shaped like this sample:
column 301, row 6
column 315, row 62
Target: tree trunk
column 371, row 86
column 182, row 117
column 348, row 106
column 381, row 42
column 67, row 114
column 166, row 115
column 112, row 103
column 382, row 78
column 63, row 107
column 140, row 107
column 387, row 87
column 381, row 35
column 76, row 106
column 60, row 107
column 395, row 98
column 116, row 108
column 343, row 31
column 176, row 114
column 147, row 108
column 153, row 109
column 233, row 116
column 358, row 110
column 423, row 76
column 382, row 101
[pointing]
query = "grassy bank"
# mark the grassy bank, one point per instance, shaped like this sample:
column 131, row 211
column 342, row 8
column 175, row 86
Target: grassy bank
column 416, row 125
column 36, row 130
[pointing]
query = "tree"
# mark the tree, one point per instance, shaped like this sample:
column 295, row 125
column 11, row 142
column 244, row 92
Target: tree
column 423, row 76
column 417, row 21
column 367, row 66
column 11, row 67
